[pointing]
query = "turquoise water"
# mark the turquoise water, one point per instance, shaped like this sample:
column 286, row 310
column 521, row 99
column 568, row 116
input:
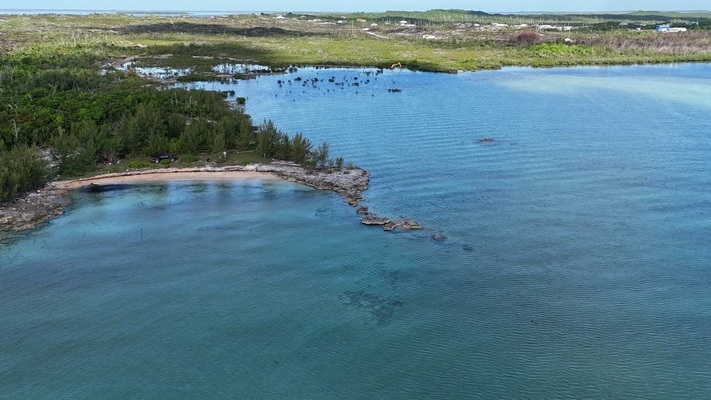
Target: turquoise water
column 575, row 263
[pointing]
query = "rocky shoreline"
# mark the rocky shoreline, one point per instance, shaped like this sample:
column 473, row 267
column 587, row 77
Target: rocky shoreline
column 39, row 206
column 33, row 208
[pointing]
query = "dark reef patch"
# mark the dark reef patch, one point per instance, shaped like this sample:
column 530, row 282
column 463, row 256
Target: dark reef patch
column 381, row 308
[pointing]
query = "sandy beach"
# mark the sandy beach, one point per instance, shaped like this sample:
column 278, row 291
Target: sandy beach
column 39, row 206
column 157, row 176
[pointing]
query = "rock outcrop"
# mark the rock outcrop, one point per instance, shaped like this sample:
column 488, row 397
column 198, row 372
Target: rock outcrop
column 33, row 208
column 406, row 224
column 349, row 183
column 41, row 205
column 387, row 224
column 372, row 219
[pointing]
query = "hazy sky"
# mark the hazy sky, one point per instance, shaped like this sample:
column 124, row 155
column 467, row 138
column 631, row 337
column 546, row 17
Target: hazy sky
column 362, row 5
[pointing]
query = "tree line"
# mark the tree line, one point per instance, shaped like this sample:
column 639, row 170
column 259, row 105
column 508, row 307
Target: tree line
column 85, row 117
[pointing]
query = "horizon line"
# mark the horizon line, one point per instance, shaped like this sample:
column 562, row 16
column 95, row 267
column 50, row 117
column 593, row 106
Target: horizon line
column 347, row 12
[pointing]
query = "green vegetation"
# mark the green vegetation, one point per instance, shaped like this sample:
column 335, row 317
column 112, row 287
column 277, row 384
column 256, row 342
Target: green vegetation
column 21, row 170
column 139, row 164
column 60, row 102
column 61, row 90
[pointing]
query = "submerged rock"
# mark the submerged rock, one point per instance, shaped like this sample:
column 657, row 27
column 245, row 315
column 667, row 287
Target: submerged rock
column 362, row 210
column 486, row 140
column 379, row 307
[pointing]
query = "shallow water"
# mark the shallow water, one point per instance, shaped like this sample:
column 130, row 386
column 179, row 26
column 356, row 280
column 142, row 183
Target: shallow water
column 575, row 262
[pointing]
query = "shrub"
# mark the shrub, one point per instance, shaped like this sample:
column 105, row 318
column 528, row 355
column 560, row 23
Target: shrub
column 308, row 164
column 21, row 170
column 165, row 162
column 188, row 158
column 139, row 164
column 526, row 37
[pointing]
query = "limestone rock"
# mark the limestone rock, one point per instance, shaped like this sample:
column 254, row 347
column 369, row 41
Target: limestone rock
column 372, row 219
column 408, row 224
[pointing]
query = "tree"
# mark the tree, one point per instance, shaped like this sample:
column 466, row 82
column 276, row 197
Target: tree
column 148, row 123
column 268, row 139
column 176, row 126
column 300, row 148
column 245, row 136
column 219, row 144
column 127, row 132
column 88, row 136
column 320, row 156
column 228, row 127
column 283, row 146
column 21, row 170
column 194, row 138
column 111, row 147
column 157, row 143
column 65, row 151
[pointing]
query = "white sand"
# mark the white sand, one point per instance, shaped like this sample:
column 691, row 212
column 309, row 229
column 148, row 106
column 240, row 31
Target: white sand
column 170, row 176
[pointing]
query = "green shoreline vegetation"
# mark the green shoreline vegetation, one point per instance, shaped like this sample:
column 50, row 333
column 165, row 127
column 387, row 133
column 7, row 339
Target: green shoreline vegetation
column 63, row 96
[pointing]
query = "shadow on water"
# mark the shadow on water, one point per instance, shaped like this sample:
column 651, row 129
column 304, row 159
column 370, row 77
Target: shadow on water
column 94, row 188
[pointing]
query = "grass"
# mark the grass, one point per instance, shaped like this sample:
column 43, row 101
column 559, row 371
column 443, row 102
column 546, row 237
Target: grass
column 201, row 43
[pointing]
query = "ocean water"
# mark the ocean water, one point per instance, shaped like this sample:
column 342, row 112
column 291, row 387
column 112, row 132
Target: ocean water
column 575, row 262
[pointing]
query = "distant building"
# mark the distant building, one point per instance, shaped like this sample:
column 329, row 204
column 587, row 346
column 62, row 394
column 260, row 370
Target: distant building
column 663, row 28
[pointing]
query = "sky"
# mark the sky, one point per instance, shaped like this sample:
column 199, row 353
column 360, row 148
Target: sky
column 363, row 5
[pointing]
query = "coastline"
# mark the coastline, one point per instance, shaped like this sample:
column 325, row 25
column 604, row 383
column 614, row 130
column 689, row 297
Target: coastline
column 41, row 205
column 163, row 176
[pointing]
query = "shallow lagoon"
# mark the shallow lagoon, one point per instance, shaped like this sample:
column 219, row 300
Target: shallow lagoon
column 575, row 262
